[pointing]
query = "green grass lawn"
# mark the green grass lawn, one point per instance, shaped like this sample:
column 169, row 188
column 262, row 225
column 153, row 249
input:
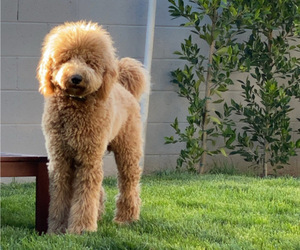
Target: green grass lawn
column 180, row 211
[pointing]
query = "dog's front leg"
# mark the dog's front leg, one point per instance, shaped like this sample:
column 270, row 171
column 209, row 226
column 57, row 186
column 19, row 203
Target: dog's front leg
column 86, row 198
column 60, row 178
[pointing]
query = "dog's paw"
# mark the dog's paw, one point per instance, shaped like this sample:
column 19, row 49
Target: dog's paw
column 125, row 219
column 121, row 222
column 128, row 210
column 80, row 229
column 59, row 230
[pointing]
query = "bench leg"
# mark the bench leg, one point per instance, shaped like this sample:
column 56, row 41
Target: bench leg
column 42, row 198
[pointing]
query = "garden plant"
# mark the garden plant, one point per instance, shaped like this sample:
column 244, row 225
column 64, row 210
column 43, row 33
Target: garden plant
column 205, row 77
column 271, row 85
column 267, row 55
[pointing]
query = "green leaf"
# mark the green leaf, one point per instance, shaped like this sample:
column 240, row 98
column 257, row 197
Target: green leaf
column 222, row 150
column 257, row 13
column 222, row 51
column 169, row 140
column 230, row 140
column 177, row 53
column 222, row 88
column 219, row 114
column 233, row 11
column 230, row 50
column 218, row 101
column 215, row 119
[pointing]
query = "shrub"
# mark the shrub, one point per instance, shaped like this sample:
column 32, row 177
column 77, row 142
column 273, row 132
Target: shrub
column 273, row 81
column 210, row 69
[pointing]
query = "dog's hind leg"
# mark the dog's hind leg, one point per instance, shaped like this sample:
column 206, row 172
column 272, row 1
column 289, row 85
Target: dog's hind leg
column 60, row 178
column 128, row 151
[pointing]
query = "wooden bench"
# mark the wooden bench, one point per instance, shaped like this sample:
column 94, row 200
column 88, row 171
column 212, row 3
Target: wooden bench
column 13, row 165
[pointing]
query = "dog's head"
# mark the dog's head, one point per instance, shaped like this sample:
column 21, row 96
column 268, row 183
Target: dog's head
column 77, row 59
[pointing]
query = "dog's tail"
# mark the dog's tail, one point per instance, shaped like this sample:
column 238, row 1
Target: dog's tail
column 134, row 77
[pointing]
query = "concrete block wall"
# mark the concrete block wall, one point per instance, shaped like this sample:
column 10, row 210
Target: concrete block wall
column 24, row 23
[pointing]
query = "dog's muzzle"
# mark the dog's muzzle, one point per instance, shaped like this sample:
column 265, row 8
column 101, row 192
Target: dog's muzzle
column 75, row 86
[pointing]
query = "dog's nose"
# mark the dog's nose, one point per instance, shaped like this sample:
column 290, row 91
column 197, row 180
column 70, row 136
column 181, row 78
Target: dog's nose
column 76, row 79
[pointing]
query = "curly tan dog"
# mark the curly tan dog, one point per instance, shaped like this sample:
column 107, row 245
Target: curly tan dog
column 91, row 104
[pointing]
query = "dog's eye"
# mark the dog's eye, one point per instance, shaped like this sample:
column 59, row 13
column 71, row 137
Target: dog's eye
column 64, row 60
column 91, row 64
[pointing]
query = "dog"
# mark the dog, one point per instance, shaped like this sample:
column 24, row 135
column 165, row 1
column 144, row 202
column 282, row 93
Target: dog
column 91, row 105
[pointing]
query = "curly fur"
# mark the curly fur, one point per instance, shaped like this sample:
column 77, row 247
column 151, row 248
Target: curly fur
column 91, row 103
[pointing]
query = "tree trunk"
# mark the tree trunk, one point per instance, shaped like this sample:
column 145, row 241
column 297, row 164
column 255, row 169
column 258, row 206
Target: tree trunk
column 202, row 165
column 266, row 146
column 265, row 170
column 265, row 160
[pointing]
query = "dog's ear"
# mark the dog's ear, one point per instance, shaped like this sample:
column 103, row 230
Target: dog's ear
column 110, row 77
column 44, row 74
